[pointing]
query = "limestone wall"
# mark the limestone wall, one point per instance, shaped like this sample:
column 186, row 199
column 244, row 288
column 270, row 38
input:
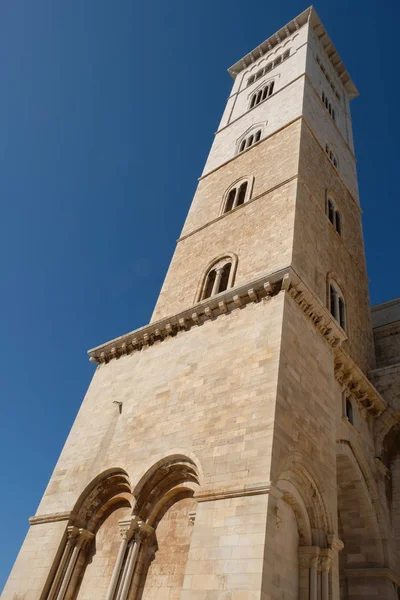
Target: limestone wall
column 209, row 394
column 319, row 250
column 260, row 232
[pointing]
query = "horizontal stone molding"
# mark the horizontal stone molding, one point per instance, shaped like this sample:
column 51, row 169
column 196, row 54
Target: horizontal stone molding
column 50, row 518
column 211, row 308
column 381, row 572
column 255, row 489
column 347, row 373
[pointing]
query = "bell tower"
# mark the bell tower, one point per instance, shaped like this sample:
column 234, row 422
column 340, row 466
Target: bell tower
column 225, row 451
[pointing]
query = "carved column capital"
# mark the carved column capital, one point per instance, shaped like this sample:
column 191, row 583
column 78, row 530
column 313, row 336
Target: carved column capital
column 334, row 542
column 85, row 539
column 325, row 564
column 143, row 533
column 72, row 534
column 128, row 527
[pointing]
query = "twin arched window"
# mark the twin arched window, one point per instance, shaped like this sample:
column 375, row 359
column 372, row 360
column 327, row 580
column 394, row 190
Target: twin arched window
column 218, row 277
column 236, row 196
column 333, row 214
column 249, row 141
column 336, row 304
column 217, row 280
column 262, row 94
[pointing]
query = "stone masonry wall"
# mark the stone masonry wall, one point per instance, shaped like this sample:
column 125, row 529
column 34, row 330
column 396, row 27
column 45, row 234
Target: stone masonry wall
column 208, row 393
column 319, row 250
column 259, row 232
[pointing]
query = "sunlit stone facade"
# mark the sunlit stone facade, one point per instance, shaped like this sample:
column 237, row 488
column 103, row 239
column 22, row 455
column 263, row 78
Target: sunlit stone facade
column 244, row 445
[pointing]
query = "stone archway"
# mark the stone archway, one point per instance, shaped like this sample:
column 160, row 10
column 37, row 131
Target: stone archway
column 359, row 525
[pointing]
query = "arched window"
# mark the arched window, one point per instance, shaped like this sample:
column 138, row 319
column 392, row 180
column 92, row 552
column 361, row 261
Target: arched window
column 337, row 304
column 333, row 214
column 218, row 277
column 217, row 280
column 262, row 94
column 236, row 196
column 249, row 141
column 349, row 411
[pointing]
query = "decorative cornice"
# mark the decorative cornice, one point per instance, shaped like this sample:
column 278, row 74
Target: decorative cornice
column 50, row 518
column 211, row 308
column 255, row 489
column 274, row 40
column 314, row 311
column 347, row 372
column 357, row 384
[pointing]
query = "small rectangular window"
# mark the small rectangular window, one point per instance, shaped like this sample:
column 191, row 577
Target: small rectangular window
column 251, row 80
column 268, row 67
column 286, row 54
column 277, row 61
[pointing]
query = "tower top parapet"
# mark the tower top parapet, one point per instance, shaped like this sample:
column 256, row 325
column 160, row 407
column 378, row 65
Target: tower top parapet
column 308, row 15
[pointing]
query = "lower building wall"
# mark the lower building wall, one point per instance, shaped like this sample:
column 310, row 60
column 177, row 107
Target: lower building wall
column 34, row 562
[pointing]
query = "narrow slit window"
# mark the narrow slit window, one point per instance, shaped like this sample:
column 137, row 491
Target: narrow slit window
column 251, row 80
column 223, row 284
column 242, row 194
column 257, row 137
column 250, row 141
column 331, row 211
column 242, row 146
column 271, row 88
column 231, row 199
column 349, row 411
column 332, row 294
column 338, row 223
column 210, row 283
column 337, row 305
column 341, row 312
column 253, row 101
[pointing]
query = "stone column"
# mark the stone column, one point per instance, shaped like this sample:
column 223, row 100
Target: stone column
column 127, row 530
column 81, row 543
column 308, row 575
column 72, row 534
column 142, row 533
column 335, row 546
column 325, row 567
column 217, row 281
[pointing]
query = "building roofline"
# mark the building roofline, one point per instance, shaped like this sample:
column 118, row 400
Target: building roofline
column 308, row 15
column 386, row 304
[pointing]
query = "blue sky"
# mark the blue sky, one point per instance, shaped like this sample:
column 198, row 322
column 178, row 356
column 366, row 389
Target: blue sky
column 107, row 111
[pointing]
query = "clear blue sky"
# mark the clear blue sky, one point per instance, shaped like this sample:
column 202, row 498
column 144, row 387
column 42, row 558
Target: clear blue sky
column 107, row 111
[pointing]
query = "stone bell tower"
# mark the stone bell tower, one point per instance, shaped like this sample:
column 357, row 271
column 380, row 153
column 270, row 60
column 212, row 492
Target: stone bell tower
column 225, row 450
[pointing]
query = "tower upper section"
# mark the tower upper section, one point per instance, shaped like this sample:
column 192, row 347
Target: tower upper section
column 291, row 74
